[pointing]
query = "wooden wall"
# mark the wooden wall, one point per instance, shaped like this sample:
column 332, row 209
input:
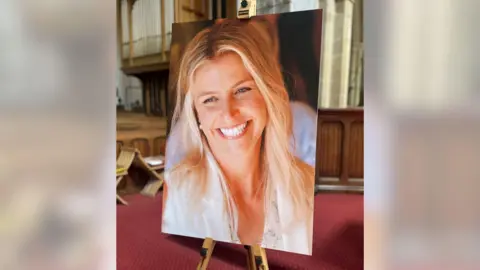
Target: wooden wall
column 146, row 133
column 340, row 149
column 189, row 11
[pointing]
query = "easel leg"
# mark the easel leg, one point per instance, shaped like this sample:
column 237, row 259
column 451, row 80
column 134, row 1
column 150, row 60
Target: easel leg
column 206, row 253
column 120, row 199
column 256, row 258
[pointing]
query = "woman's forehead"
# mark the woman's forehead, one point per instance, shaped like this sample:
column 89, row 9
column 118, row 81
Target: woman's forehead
column 219, row 72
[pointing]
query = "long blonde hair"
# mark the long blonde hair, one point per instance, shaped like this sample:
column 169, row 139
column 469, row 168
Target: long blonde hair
column 252, row 42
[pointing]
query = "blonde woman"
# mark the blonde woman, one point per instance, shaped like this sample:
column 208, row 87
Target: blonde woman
column 238, row 181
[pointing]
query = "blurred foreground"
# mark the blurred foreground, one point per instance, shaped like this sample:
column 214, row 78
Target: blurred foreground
column 57, row 115
column 421, row 135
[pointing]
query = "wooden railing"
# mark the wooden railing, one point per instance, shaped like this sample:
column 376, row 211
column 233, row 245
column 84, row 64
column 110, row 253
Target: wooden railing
column 144, row 27
column 144, row 30
column 340, row 149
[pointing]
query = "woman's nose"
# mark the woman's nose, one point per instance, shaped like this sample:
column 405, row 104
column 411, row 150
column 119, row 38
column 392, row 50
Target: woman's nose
column 229, row 108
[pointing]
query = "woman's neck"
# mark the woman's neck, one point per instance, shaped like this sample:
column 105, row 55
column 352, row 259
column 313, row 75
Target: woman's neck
column 243, row 173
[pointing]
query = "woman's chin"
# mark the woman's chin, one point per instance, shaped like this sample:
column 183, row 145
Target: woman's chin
column 239, row 147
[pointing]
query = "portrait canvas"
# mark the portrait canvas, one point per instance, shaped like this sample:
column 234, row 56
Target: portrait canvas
column 242, row 110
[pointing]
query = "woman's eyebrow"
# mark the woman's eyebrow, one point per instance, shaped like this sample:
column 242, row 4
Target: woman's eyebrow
column 241, row 81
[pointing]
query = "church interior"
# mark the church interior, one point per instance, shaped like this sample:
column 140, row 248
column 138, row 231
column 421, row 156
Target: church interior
column 144, row 31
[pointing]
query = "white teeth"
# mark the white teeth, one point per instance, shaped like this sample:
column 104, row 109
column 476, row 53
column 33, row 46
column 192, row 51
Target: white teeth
column 235, row 131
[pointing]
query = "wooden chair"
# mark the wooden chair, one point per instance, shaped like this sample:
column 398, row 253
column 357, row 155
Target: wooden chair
column 124, row 161
column 153, row 186
column 131, row 156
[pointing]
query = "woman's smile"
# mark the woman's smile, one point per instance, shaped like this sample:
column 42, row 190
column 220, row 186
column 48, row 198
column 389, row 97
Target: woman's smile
column 235, row 132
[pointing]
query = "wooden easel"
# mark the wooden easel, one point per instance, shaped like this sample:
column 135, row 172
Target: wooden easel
column 256, row 255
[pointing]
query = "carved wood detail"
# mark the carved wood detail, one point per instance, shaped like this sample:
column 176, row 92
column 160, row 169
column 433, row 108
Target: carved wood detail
column 340, row 147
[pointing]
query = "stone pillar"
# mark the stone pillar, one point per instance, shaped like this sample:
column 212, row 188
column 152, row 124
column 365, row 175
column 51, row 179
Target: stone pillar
column 356, row 63
column 356, row 75
column 326, row 57
column 341, row 54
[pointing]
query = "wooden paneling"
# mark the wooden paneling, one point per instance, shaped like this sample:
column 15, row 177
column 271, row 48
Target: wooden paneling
column 146, row 133
column 330, row 144
column 142, row 145
column 189, row 11
column 159, row 145
column 355, row 153
column 340, row 148
column 155, row 92
column 132, row 122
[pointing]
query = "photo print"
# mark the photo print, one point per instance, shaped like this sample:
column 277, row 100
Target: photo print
column 242, row 109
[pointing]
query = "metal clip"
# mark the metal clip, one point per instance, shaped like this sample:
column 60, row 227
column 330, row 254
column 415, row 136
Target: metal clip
column 248, row 9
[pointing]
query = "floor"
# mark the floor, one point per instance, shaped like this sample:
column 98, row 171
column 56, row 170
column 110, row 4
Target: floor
column 337, row 243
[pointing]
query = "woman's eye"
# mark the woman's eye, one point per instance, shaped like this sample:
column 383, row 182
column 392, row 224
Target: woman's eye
column 208, row 100
column 243, row 90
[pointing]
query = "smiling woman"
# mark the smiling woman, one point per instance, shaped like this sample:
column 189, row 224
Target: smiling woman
column 238, row 182
column 233, row 113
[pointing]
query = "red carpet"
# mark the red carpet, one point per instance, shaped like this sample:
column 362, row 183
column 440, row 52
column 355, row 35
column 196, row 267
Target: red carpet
column 337, row 243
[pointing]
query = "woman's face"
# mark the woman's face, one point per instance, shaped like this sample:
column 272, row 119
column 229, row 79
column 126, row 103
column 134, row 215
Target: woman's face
column 231, row 111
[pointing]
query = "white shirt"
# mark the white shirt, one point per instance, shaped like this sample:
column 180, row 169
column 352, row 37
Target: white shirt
column 304, row 132
column 207, row 217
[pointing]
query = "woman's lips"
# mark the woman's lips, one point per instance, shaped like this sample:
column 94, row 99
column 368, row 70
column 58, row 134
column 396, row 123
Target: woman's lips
column 234, row 132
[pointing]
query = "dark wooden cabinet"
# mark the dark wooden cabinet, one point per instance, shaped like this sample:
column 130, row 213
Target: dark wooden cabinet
column 339, row 159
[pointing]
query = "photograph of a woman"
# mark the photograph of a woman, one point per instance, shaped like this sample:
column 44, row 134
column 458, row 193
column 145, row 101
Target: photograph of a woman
column 233, row 173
